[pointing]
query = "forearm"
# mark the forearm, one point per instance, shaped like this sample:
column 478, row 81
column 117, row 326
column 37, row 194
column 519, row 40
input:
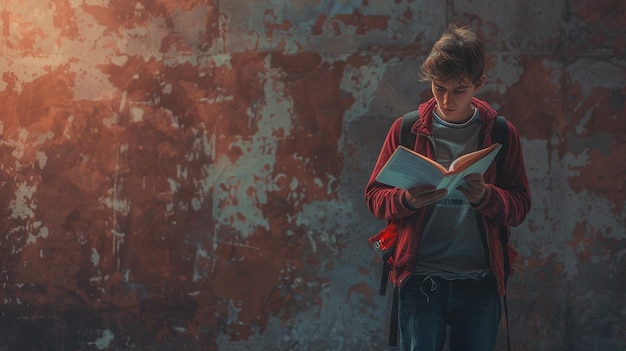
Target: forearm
column 386, row 202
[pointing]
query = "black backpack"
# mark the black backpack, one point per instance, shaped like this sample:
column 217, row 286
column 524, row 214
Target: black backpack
column 499, row 134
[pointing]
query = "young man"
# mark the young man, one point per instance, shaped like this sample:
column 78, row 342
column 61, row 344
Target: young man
column 449, row 262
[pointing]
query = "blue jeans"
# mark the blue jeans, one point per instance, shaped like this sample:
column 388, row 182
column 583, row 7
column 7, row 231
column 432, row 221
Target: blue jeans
column 427, row 305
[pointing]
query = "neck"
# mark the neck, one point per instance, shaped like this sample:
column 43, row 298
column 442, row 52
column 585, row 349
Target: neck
column 467, row 116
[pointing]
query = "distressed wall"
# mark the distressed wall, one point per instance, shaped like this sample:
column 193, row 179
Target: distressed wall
column 189, row 175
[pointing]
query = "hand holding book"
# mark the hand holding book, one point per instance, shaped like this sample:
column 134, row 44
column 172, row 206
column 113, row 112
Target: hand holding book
column 423, row 195
column 473, row 187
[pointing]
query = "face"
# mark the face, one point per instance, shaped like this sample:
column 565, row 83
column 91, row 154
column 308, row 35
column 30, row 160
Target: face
column 454, row 99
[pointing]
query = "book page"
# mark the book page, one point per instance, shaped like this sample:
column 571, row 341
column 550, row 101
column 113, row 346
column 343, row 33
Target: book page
column 466, row 160
column 478, row 166
column 407, row 169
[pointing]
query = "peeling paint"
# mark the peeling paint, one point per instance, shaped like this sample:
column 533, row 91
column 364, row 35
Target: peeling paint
column 189, row 174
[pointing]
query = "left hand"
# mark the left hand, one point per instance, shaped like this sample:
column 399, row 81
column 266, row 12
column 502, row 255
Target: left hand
column 473, row 188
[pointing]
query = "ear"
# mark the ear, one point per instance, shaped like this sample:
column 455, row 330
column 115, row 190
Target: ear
column 480, row 82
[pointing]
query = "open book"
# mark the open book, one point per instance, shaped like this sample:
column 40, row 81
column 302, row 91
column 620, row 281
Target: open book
column 407, row 169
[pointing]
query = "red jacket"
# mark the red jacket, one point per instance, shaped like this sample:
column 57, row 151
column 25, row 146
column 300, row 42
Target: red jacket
column 506, row 205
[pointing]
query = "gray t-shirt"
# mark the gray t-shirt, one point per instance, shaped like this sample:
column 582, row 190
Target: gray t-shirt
column 453, row 243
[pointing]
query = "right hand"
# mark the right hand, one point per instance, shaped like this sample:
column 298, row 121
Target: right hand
column 423, row 195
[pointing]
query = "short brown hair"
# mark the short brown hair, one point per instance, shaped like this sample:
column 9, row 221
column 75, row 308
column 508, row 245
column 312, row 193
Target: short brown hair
column 457, row 55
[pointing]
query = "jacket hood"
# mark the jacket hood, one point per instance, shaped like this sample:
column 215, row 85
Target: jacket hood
column 487, row 116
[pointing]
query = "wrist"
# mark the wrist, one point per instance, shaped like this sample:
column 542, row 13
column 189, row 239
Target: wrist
column 406, row 203
column 482, row 197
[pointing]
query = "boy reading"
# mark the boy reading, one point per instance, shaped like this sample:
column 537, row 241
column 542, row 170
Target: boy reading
column 449, row 263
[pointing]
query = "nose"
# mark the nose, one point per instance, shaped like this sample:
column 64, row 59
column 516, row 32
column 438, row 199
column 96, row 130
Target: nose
column 446, row 98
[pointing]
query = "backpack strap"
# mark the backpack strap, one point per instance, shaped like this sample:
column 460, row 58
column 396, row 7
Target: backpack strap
column 499, row 134
column 406, row 137
column 408, row 140
column 394, row 327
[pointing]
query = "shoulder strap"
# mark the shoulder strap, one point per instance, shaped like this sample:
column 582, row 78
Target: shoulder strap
column 500, row 131
column 406, row 137
column 500, row 135
column 408, row 140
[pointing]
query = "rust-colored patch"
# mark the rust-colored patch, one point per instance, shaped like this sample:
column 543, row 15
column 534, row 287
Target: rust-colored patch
column 363, row 23
column 533, row 103
column 610, row 13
